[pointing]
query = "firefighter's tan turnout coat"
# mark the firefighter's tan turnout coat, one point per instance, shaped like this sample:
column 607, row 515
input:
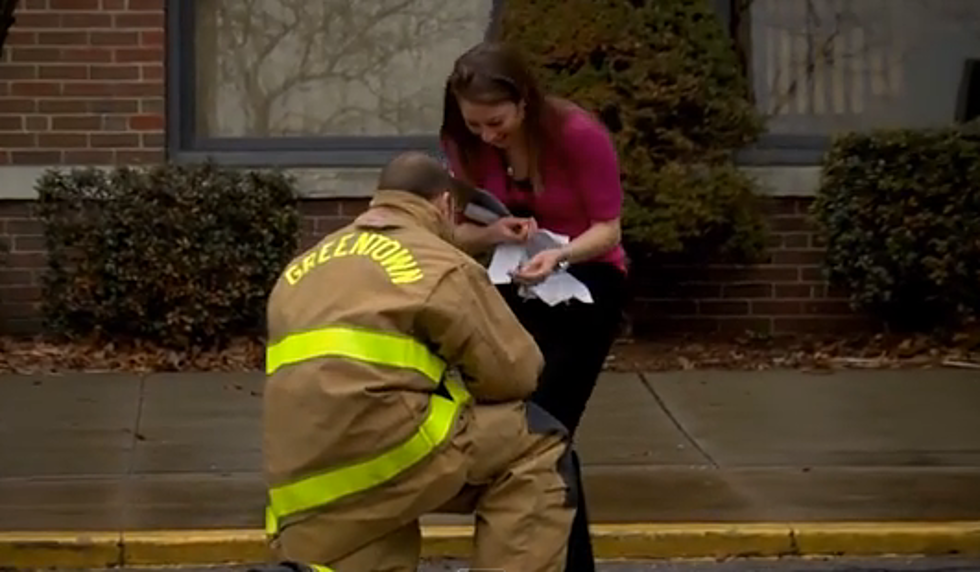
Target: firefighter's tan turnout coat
column 396, row 376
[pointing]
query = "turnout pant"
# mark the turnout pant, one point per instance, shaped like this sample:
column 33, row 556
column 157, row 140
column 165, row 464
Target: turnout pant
column 510, row 465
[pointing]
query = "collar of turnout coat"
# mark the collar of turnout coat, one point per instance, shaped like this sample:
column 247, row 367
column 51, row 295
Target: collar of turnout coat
column 392, row 209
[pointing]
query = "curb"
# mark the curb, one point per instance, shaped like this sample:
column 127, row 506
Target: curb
column 611, row 541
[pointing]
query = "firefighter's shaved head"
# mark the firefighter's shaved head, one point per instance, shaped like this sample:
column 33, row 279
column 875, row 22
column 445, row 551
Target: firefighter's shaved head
column 422, row 175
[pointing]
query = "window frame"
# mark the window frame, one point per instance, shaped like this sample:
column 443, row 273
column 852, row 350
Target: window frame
column 777, row 149
column 185, row 145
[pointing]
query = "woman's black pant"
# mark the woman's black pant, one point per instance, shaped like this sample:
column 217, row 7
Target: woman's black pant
column 575, row 339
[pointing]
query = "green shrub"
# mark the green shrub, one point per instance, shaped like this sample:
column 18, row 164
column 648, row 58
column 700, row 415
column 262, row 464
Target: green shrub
column 179, row 256
column 665, row 79
column 901, row 213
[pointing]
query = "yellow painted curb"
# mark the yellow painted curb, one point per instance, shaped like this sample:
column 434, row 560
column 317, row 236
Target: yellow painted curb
column 196, row 546
column 611, row 541
column 60, row 550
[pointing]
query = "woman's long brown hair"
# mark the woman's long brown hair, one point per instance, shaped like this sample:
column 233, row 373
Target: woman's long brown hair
column 493, row 73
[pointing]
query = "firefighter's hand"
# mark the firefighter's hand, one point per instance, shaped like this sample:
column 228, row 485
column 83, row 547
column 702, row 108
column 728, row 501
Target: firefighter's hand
column 512, row 229
column 539, row 267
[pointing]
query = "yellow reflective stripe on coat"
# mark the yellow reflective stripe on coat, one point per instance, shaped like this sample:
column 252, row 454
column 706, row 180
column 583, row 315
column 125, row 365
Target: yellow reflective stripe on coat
column 327, row 487
column 338, row 341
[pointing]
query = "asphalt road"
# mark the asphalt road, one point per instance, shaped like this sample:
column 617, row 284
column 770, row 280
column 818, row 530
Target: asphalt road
column 783, row 565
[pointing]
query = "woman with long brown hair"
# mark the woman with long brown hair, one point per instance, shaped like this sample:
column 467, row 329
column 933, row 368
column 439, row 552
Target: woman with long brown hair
column 555, row 167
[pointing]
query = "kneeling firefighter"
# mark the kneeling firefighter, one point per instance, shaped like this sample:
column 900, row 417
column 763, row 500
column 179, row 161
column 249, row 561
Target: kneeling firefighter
column 396, row 379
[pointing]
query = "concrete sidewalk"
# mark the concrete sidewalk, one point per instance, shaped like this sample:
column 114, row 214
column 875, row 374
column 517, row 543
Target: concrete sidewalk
column 181, row 452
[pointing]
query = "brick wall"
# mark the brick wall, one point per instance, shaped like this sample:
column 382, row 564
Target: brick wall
column 82, row 83
column 785, row 295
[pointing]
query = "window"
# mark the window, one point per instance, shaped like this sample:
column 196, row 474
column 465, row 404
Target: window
column 822, row 67
column 314, row 83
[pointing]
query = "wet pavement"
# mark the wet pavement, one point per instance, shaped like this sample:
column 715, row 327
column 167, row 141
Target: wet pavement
column 115, row 451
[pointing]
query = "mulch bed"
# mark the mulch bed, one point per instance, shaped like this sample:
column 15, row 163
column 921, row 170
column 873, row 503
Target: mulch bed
column 35, row 356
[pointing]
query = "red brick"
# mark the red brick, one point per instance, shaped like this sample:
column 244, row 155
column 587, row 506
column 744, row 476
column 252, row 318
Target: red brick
column 112, row 72
column 790, row 224
column 747, row 291
column 89, row 157
column 87, row 55
column 115, row 140
column 15, row 140
column 29, row 244
column 126, row 55
column 115, row 38
column 62, row 38
column 35, row 54
column 781, row 206
column 801, row 257
column 11, row 122
column 793, row 290
column 328, row 225
column 27, row 20
column 113, row 4
column 16, row 278
column 812, row 274
column 145, row 157
column 145, row 5
column 20, row 37
column 114, row 106
column 24, row 226
column 828, row 308
column 21, row 294
column 18, row 71
column 62, row 72
column 141, row 20
column 776, row 274
column 152, row 72
column 146, row 123
column 35, row 88
column 353, row 207
column 156, row 105
column 711, row 308
column 62, row 140
column 152, row 38
column 17, row 105
column 76, row 123
column 35, row 157
column 86, row 20
column 152, row 139
column 320, row 207
column 796, row 240
column 777, row 308
column 35, row 4
column 38, row 122
column 20, row 260
column 4, row 157
column 74, row 4
column 56, row 106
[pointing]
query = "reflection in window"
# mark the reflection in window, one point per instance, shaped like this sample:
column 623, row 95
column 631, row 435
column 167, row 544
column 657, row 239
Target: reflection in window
column 328, row 67
column 824, row 66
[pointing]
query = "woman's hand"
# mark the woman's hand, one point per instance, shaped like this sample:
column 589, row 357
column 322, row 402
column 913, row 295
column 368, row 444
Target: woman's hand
column 542, row 265
column 511, row 229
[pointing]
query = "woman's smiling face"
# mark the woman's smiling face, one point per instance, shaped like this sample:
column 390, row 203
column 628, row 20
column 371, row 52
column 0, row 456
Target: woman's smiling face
column 494, row 123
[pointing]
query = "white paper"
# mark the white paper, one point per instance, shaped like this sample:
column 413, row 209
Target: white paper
column 555, row 289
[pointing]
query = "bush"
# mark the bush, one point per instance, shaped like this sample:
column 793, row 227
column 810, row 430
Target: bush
column 664, row 78
column 901, row 212
column 178, row 256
